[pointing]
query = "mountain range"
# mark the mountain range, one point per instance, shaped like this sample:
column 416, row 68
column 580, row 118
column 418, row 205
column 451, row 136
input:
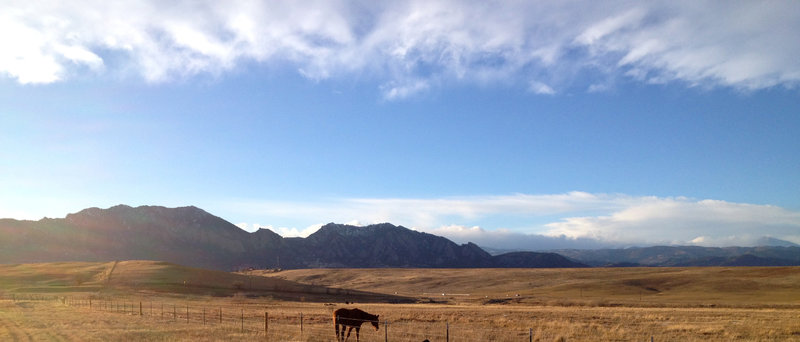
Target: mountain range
column 193, row 237
column 681, row 256
column 190, row 236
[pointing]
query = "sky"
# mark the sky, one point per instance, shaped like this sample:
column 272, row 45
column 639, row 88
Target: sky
column 512, row 124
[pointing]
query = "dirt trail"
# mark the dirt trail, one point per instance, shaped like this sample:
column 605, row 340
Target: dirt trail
column 110, row 272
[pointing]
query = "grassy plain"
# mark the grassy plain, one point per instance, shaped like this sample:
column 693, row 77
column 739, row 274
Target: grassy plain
column 51, row 302
column 639, row 286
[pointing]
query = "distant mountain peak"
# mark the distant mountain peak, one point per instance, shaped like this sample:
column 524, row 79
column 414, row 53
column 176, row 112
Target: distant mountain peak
column 774, row 242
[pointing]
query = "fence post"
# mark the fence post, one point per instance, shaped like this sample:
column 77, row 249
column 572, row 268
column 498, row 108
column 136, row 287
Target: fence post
column 447, row 331
column 204, row 316
column 301, row 325
column 530, row 334
column 140, row 309
column 187, row 314
column 174, row 313
column 266, row 323
column 242, row 320
column 90, row 303
column 220, row 315
column 385, row 331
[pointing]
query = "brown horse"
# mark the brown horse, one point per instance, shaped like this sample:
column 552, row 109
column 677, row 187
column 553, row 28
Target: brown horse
column 352, row 318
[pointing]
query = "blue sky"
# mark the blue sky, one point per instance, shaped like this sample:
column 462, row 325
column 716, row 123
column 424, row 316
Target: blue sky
column 512, row 124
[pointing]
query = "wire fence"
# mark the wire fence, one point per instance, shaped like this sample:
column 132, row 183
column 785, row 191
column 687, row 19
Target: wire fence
column 282, row 325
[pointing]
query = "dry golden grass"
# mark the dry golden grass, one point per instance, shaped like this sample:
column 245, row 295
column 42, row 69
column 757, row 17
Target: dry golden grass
column 695, row 304
column 688, row 286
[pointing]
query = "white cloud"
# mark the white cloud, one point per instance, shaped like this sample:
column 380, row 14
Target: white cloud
column 251, row 227
column 411, row 46
column 681, row 221
column 282, row 231
column 294, row 232
column 575, row 219
column 504, row 239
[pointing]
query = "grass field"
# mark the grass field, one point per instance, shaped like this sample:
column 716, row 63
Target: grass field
column 641, row 286
column 141, row 300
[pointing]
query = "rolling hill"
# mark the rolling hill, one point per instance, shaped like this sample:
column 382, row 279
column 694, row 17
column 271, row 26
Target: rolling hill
column 111, row 278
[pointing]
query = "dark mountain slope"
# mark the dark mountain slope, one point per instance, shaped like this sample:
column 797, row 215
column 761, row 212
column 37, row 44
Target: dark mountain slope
column 385, row 245
column 187, row 235
column 534, row 260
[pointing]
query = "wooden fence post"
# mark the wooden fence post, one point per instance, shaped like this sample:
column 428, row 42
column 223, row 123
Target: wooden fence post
column 204, row 316
column 301, row 325
column 187, row 314
column 447, row 331
column 174, row 313
column 140, row 309
column 242, row 320
column 266, row 323
column 385, row 331
column 220, row 315
column 530, row 334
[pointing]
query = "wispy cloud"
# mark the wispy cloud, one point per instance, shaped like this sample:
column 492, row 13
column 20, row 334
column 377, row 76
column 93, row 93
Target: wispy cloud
column 410, row 46
column 576, row 219
column 541, row 88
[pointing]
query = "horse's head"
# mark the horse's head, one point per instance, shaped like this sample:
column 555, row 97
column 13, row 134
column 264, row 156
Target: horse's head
column 375, row 323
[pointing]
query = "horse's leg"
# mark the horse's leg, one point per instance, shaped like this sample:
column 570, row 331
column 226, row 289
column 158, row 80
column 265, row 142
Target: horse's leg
column 358, row 328
column 349, row 329
column 336, row 327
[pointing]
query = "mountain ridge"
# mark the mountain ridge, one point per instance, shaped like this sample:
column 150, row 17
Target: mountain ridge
column 193, row 237
column 686, row 256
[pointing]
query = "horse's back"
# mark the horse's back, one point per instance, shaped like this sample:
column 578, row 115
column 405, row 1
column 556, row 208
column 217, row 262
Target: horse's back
column 345, row 313
column 349, row 313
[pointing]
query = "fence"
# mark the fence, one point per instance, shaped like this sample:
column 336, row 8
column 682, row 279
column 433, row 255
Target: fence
column 280, row 325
